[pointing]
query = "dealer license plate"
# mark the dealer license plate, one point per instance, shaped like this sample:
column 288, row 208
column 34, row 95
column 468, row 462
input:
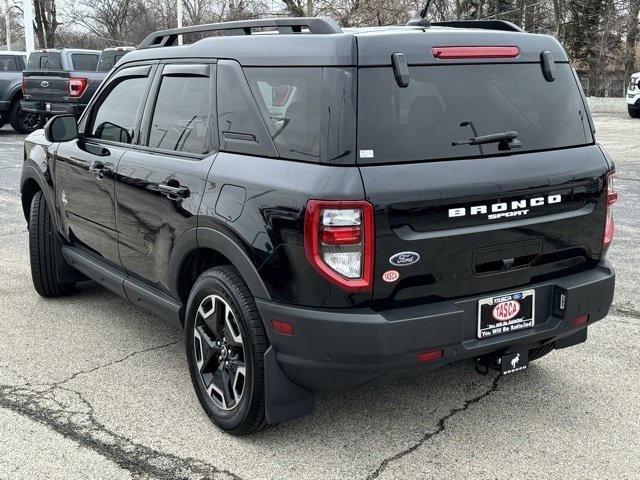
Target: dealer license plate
column 506, row 313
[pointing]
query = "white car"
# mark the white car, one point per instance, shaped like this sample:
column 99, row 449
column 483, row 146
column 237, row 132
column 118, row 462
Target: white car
column 633, row 96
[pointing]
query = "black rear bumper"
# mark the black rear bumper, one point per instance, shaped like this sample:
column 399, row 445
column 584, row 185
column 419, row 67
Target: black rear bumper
column 51, row 108
column 337, row 349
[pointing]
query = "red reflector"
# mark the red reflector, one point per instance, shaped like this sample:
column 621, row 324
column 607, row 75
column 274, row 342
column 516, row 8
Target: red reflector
column 579, row 321
column 283, row 328
column 475, row 52
column 431, row 356
column 341, row 235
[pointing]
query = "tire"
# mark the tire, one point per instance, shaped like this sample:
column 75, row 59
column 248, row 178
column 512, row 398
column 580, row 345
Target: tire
column 23, row 122
column 219, row 294
column 539, row 352
column 42, row 251
column 633, row 112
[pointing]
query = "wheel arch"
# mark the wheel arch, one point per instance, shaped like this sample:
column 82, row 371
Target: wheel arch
column 202, row 248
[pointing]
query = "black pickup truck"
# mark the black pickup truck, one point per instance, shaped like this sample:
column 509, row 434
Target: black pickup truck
column 60, row 81
column 322, row 208
column 11, row 66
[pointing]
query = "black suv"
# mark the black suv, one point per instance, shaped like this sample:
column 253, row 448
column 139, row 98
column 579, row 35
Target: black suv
column 323, row 208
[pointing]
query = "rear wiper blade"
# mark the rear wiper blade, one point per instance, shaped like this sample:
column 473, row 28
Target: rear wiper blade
column 506, row 140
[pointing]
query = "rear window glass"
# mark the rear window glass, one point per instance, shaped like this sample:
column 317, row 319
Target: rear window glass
column 45, row 61
column 182, row 116
column 453, row 103
column 310, row 112
column 84, row 62
column 8, row 64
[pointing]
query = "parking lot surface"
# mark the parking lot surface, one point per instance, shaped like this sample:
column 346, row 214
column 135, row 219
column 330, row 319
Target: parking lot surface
column 92, row 387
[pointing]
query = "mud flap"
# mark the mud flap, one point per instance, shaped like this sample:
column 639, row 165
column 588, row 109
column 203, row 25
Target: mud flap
column 284, row 400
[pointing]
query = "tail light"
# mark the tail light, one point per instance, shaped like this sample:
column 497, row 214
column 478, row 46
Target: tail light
column 77, row 86
column 612, row 197
column 338, row 242
column 455, row 53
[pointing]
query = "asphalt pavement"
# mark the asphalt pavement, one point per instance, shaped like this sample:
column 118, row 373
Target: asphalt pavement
column 92, row 387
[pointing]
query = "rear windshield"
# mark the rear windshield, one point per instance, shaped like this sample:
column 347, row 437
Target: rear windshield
column 84, row 62
column 45, row 61
column 453, row 103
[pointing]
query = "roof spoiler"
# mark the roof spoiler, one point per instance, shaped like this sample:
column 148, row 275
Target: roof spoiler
column 315, row 25
column 482, row 24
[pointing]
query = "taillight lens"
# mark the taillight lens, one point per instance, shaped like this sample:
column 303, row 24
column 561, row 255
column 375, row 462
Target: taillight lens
column 612, row 197
column 77, row 86
column 339, row 242
column 455, row 53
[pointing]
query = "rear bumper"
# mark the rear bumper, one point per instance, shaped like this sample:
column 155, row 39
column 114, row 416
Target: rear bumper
column 51, row 108
column 337, row 349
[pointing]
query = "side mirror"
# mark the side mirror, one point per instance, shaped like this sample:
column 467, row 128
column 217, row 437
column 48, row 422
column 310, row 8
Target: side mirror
column 61, row 128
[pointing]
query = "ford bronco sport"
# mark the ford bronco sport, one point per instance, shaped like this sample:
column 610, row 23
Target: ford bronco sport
column 323, row 208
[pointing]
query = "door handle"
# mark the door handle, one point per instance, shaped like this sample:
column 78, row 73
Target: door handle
column 173, row 192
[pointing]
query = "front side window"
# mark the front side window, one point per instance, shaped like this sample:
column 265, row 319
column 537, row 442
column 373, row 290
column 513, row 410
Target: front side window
column 181, row 119
column 115, row 117
column 84, row 62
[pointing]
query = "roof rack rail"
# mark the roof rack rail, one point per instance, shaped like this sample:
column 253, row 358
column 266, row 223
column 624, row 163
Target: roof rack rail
column 483, row 24
column 316, row 25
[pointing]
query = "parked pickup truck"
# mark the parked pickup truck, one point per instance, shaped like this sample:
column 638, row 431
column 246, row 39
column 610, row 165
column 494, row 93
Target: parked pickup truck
column 60, row 81
column 11, row 66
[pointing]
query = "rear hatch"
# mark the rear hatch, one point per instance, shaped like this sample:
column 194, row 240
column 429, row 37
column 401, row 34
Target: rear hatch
column 455, row 219
column 46, row 85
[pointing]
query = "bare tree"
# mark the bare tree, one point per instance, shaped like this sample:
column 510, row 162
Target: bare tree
column 46, row 22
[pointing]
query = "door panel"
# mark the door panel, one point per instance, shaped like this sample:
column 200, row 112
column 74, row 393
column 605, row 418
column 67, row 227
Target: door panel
column 158, row 196
column 86, row 194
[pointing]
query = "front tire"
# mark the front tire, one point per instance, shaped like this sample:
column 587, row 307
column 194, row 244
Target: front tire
column 634, row 112
column 24, row 122
column 42, row 251
column 225, row 346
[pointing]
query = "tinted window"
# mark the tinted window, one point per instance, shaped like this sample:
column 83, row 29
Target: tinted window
column 422, row 121
column 8, row 64
column 115, row 117
column 290, row 101
column 181, row 119
column 45, row 61
column 84, row 62
column 109, row 59
column 238, row 115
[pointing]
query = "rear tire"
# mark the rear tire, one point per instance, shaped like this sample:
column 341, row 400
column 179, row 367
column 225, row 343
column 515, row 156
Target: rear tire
column 42, row 251
column 633, row 112
column 225, row 347
column 24, row 122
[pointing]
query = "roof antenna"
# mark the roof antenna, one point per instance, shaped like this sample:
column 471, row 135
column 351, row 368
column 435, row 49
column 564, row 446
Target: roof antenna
column 420, row 19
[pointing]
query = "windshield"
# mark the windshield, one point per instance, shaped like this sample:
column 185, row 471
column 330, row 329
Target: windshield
column 449, row 104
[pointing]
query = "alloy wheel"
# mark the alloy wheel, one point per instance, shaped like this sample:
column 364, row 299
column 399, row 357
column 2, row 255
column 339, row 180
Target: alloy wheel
column 219, row 351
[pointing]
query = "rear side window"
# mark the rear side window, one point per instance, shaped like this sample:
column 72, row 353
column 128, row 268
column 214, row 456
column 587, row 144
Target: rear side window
column 115, row 117
column 182, row 116
column 45, row 61
column 453, row 103
column 8, row 64
column 108, row 60
column 290, row 100
column 84, row 62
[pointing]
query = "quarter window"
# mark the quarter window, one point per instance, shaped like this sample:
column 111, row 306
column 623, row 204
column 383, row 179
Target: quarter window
column 181, row 119
column 115, row 117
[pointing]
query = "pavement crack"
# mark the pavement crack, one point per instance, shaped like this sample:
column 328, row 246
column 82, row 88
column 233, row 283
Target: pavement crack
column 120, row 360
column 68, row 413
column 442, row 425
column 625, row 312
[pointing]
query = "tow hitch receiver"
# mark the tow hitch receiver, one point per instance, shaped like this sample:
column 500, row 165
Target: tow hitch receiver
column 508, row 362
column 514, row 362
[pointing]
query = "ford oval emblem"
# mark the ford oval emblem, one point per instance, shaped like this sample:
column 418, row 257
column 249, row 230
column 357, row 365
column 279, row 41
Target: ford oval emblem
column 44, row 84
column 403, row 259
